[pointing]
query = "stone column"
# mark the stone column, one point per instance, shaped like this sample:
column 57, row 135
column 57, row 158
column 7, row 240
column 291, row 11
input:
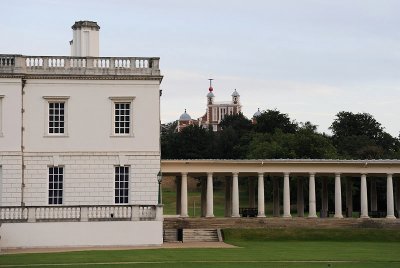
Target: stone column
column 210, row 196
column 252, row 194
column 184, row 196
column 389, row 197
column 300, row 198
column 324, row 197
column 373, row 195
column 277, row 207
column 312, row 206
column 364, row 197
column 178, row 181
column 349, row 197
column 338, row 197
column 286, row 196
column 203, row 196
column 398, row 196
column 261, row 200
column 228, row 197
column 235, row 195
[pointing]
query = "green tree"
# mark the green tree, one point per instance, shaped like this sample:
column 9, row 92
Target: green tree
column 237, row 122
column 227, row 143
column 231, row 142
column 360, row 136
column 193, row 142
column 308, row 143
column 168, row 140
column 361, row 124
column 305, row 143
column 272, row 145
column 271, row 120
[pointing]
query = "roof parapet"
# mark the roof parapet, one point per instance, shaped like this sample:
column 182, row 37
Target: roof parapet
column 80, row 66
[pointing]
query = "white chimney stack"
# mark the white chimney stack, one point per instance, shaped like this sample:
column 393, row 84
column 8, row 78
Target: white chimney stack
column 85, row 42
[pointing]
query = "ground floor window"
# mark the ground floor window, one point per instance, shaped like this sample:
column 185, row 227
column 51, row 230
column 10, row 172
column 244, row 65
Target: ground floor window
column 121, row 184
column 56, row 185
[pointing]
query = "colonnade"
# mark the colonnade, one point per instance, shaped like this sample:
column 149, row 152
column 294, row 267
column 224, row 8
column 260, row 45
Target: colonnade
column 233, row 194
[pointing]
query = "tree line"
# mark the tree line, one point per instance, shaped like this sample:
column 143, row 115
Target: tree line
column 274, row 135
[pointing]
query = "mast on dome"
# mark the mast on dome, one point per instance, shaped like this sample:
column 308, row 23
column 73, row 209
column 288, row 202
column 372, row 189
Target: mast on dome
column 210, row 95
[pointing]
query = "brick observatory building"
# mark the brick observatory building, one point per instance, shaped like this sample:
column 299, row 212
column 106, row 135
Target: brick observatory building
column 215, row 112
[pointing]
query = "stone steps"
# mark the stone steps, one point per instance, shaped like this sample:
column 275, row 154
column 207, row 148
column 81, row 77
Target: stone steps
column 192, row 235
column 200, row 235
column 170, row 235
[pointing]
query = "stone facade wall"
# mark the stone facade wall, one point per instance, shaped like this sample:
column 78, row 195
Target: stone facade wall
column 81, row 234
column 88, row 149
column 10, row 179
column 88, row 178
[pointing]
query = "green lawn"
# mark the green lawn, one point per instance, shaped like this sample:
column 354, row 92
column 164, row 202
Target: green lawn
column 169, row 200
column 255, row 248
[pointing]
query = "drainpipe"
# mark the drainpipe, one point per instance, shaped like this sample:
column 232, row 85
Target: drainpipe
column 22, row 144
column 159, row 178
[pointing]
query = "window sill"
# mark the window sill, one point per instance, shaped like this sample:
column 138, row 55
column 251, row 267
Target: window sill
column 55, row 136
column 122, row 136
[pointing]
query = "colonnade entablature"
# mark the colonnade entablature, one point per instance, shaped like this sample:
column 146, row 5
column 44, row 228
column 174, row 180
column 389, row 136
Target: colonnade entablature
column 286, row 169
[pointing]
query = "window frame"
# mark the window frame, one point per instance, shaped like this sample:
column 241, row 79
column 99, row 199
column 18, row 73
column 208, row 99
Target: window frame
column 114, row 101
column 215, row 114
column 58, row 189
column 55, row 99
column 119, row 196
column 223, row 111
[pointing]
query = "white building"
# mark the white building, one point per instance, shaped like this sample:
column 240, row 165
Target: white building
column 79, row 147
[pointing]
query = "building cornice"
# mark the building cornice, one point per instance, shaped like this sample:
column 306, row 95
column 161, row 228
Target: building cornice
column 267, row 161
column 302, row 167
column 83, row 77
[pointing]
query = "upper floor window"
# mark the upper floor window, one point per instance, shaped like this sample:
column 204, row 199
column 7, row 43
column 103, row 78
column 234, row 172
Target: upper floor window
column 56, row 116
column 56, row 185
column 222, row 113
column 122, row 116
column 214, row 114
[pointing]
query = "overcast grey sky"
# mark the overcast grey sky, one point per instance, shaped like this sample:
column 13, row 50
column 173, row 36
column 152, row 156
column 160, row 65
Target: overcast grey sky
column 308, row 58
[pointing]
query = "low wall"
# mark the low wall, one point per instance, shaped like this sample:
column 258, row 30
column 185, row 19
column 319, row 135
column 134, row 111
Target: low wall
column 295, row 222
column 80, row 234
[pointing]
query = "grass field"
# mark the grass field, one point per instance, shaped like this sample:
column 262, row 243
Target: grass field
column 255, row 248
column 169, row 200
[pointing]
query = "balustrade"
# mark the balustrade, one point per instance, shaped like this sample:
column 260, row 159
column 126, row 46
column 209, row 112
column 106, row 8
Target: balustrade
column 147, row 212
column 13, row 214
column 74, row 65
column 7, row 60
column 110, row 213
column 57, row 213
column 77, row 63
column 78, row 213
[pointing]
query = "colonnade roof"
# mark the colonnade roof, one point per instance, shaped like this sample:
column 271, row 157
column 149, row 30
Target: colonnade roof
column 378, row 167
